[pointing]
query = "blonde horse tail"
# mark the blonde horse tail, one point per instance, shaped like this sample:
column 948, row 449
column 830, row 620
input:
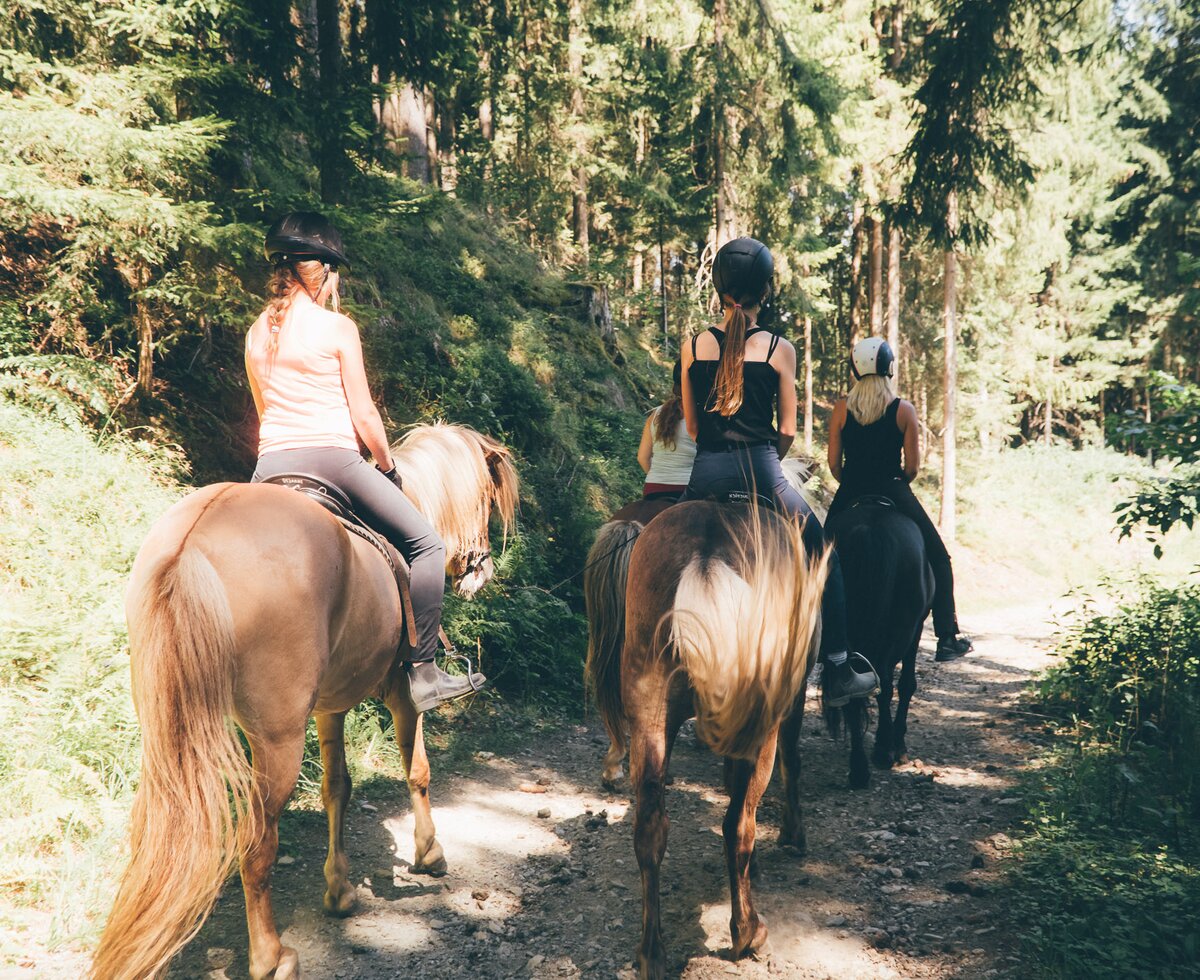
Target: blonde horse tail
column 604, row 578
column 197, row 789
column 742, row 628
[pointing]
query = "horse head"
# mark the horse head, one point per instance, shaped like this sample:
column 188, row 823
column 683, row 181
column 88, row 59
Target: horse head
column 459, row 478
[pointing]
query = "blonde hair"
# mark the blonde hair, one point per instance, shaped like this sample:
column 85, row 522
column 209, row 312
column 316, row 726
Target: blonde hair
column 870, row 397
column 317, row 279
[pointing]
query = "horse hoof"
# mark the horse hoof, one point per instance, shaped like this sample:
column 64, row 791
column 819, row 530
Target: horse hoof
column 610, row 781
column 339, row 905
column 794, row 841
column 289, row 965
column 860, row 779
column 902, row 757
column 882, row 760
column 756, row 942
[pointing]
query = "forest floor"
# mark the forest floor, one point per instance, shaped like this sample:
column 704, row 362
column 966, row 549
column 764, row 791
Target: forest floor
column 900, row 880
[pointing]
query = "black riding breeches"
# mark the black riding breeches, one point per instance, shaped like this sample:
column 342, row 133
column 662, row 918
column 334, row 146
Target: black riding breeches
column 379, row 502
column 945, row 617
column 757, row 468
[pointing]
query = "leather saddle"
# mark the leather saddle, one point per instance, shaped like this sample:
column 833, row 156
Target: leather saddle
column 873, row 500
column 338, row 504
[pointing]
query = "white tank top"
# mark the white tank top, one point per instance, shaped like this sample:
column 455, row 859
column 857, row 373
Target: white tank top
column 671, row 467
column 304, row 403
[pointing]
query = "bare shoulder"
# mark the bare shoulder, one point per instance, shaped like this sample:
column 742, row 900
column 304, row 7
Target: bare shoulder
column 839, row 409
column 906, row 414
column 786, row 348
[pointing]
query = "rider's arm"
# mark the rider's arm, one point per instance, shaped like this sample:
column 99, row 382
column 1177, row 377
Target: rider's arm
column 646, row 449
column 835, row 438
column 784, row 360
column 906, row 418
column 363, row 412
column 690, row 418
column 255, row 390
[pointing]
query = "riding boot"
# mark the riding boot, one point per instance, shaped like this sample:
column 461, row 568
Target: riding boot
column 952, row 647
column 430, row 686
column 851, row 677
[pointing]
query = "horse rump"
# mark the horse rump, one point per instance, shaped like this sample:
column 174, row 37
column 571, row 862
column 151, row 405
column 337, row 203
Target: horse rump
column 741, row 625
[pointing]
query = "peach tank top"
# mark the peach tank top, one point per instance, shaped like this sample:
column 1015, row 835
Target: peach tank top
column 304, row 403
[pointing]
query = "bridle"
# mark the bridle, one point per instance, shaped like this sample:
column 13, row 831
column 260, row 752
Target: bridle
column 475, row 561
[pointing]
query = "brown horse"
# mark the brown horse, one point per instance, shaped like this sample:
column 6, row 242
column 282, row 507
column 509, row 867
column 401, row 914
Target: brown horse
column 251, row 602
column 722, row 609
column 604, row 578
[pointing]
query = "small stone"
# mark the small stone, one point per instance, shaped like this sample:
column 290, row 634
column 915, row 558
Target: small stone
column 480, row 894
column 543, row 780
column 219, row 958
column 496, row 927
column 479, row 936
column 531, row 788
column 891, row 889
column 835, row 920
column 437, row 924
column 285, row 859
column 544, row 813
column 535, row 962
column 369, row 807
column 977, row 861
column 910, row 829
column 885, row 835
column 1009, row 801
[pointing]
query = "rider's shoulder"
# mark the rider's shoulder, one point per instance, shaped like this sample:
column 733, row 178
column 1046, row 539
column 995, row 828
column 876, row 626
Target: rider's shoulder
column 905, row 411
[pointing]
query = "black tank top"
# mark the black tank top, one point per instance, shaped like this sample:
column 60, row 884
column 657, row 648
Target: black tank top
column 754, row 422
column 871, row 453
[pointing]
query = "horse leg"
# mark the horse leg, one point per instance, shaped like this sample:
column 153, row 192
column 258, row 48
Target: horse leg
column 747, row 781
column 908, row 687
column 427, row 857
column 647, row 772
column 882, row 754
column 612, row 772
column 854, row 715
column 276, row 766
column 792, row 833
column 335, row 792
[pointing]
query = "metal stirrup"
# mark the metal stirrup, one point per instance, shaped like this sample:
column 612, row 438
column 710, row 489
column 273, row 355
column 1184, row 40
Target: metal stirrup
column 453, row 654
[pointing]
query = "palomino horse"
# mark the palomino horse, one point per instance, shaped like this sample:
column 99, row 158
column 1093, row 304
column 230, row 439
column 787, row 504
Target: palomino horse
column 251, row 602
column 722, row 608
column 889, row 589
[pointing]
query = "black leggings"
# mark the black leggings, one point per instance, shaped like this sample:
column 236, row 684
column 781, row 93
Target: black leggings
column 758, row 467
column 945, row 618
column 379, row 502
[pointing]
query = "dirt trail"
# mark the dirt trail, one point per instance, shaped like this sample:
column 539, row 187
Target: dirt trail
column 559, row 895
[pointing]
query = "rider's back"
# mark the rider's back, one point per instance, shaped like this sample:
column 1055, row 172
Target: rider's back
column 872, row 452
column 304, row 402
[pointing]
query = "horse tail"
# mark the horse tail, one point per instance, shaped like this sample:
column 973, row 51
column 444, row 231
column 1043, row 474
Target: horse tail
column 742, row 628
column 604, row 579
column 197, row 788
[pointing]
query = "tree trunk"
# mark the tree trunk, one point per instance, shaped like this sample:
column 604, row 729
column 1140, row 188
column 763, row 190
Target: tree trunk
column 575, row 48
column 893, row 294
column 808, row 385
column 947, row 518
column 876, row 284
column 854, row 306
column 896, row 57
column 1048, row 415
column 329, row 59
column 402, row 118
column 726, row 220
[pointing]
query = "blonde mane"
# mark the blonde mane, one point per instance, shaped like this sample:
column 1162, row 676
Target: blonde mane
column 455, row 476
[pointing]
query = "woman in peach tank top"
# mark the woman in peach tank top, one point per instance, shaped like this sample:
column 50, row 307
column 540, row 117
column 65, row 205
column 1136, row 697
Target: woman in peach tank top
column 305, row 365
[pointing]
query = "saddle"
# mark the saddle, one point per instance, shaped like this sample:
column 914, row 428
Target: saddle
column 338, row 504
column 872, row 500
column 740, row 495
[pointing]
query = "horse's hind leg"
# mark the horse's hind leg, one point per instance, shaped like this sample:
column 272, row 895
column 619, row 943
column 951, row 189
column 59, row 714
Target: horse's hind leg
column 276, row 766
column 612, row 772
column 427, row 856
column 792, row 833
column 907, row 688
column 746, row 782
column 881, row 755
column 335, row 792
column 648, row 757
column 854, row 715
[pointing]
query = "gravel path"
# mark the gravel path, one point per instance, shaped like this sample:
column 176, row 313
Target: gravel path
column 899, row 880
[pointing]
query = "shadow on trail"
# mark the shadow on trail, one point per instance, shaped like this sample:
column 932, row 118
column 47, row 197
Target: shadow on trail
column 869, row 900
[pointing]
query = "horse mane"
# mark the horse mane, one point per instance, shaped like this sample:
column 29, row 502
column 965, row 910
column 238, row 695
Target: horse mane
column 455, row 476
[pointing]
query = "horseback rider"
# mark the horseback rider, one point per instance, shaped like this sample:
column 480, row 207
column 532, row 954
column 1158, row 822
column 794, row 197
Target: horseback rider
column 305, row 365
column 667, row 451
column 737, row 380
column 871, row 430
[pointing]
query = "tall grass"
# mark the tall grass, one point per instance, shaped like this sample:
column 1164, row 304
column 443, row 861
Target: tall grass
column 72, row 514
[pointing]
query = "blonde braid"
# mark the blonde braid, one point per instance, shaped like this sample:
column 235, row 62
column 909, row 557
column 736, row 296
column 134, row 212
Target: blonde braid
column 279, row 293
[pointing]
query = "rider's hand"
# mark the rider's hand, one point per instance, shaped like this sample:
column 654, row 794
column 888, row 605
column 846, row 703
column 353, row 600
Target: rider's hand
column 393, row 474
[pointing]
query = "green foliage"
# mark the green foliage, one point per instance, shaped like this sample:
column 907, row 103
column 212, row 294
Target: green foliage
column 1106, row 877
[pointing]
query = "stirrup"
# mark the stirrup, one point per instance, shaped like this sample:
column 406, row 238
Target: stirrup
column 451, row 653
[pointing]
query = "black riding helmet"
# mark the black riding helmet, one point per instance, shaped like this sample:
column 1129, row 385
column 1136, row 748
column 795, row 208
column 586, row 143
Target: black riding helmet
column 743, row 270
column 304, row 236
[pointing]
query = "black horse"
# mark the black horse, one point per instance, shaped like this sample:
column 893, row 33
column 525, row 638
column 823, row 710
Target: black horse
column 889, row 591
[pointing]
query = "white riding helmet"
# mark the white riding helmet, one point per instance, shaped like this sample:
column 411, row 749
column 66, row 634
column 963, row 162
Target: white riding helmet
column 872, row 356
